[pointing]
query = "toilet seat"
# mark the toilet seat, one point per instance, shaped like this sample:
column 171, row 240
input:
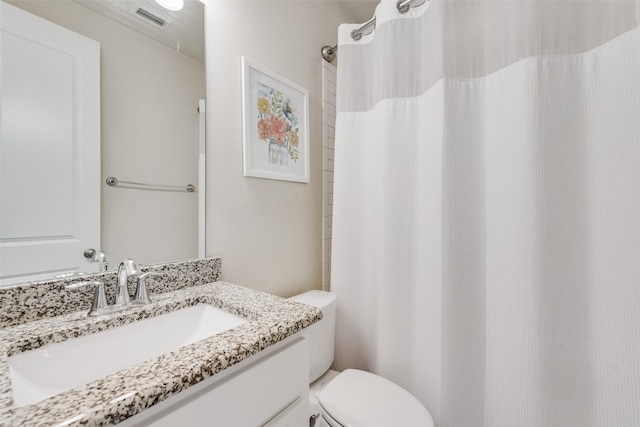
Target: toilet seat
column 361, row 399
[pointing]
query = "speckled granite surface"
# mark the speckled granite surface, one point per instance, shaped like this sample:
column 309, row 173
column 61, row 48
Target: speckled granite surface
column 128, row 392
column 32, row 301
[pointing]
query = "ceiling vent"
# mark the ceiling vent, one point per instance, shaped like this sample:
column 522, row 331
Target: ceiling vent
column 153, row 18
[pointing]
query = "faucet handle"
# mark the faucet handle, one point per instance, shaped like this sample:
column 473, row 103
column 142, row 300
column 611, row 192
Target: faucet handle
column 100, row 302
column 142, row 297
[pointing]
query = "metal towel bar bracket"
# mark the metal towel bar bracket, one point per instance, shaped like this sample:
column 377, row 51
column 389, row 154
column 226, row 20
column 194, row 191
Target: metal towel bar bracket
column 114, row 182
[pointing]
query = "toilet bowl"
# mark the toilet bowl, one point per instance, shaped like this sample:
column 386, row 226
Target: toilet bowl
column 351, row 398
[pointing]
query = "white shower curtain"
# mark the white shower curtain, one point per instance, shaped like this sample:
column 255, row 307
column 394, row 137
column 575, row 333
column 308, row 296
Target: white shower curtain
column 486, row 229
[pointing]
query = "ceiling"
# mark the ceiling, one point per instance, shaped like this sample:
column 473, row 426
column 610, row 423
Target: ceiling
column 184, row 32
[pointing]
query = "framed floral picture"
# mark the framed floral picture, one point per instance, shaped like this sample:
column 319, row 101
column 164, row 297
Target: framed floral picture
column 275, row 116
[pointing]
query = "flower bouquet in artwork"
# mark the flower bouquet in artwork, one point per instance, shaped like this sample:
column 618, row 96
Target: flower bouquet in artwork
column 277, row 125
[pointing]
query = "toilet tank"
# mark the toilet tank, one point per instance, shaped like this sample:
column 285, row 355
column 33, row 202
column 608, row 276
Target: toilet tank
column 320, row 335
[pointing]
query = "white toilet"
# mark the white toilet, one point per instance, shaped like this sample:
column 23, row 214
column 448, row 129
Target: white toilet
column 351, row 398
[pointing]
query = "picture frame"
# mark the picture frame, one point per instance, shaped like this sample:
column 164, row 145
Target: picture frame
column 275, row 120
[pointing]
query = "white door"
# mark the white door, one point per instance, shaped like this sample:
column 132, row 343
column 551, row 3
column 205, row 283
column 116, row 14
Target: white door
column 49, row 150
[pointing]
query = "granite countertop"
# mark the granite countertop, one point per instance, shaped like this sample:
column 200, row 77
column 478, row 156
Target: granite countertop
column 121, row 395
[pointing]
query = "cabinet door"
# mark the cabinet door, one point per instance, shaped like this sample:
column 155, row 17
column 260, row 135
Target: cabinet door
column 49, row 149
column 294, row 415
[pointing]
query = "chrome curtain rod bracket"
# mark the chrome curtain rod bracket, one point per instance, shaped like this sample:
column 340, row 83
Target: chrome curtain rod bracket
column 114, row 182
column 329, row 53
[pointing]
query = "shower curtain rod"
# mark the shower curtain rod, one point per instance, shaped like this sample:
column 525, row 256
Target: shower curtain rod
column 403, row 6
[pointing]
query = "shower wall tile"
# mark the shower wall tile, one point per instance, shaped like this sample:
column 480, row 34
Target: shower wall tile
column 327, row 182
column 327, row 205
column 329, row 135
column 331, row 131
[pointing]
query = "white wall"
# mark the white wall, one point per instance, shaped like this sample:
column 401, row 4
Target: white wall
column 142, row 139
column 268, row 233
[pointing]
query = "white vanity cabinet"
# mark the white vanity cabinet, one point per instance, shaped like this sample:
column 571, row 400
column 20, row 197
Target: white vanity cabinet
column 268, row 389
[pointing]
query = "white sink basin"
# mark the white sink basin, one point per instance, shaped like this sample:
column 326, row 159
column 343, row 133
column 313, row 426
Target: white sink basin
column 56, row 368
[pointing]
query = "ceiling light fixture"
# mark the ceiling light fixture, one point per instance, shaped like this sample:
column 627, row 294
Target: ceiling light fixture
column 173, row 5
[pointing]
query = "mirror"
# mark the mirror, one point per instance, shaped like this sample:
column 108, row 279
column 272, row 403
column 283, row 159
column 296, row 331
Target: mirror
column 152, row 78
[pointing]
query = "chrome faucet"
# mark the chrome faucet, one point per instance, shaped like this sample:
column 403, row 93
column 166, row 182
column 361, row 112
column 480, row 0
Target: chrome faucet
column 98, row 256
column 126, row 268
column 101, row 258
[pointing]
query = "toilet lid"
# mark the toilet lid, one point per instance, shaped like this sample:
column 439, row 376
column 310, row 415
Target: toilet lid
column 361, row 399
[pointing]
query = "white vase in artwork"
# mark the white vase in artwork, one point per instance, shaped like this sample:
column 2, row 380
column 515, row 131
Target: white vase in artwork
column 278, row 154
